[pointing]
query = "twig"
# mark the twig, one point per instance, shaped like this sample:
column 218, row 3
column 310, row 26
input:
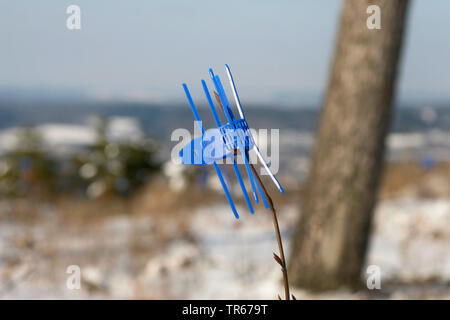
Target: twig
column 279, row 259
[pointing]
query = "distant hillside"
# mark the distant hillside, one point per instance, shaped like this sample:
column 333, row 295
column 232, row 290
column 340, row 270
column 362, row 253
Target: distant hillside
column 159, row 121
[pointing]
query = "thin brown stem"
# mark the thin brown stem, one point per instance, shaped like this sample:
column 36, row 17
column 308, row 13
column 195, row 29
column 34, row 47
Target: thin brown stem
column 280, row 260
column 277, row 232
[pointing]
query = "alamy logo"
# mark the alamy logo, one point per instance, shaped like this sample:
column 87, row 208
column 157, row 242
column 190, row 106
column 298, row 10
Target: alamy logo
column 214, row 150
column 374, row 277
column 374, row 20
column 73, row 22
column 73, row 281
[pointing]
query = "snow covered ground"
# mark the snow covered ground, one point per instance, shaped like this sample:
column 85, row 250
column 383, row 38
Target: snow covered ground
column 62, row 139
column 207, row 254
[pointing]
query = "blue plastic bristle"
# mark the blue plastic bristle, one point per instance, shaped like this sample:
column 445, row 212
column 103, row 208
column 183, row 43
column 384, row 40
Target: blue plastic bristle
column 235, row 135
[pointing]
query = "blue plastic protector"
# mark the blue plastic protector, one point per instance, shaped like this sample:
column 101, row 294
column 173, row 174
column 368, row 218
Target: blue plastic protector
column 230, row 152
column 262, row 196
column 229, row 115
column 217, row 144
column 223, row 99
column 216, row 166
column 238, row 102
column 211, row 104
column 249, row 171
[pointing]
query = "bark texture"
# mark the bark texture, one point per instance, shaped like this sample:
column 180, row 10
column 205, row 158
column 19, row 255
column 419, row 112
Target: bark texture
column 332, row 235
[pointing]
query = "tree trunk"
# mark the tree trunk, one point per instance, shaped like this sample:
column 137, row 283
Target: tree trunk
column 332, row 235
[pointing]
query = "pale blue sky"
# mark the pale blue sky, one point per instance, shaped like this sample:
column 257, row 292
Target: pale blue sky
column 143, row 50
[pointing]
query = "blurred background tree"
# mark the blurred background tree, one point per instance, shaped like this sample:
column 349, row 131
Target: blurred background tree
column 28, row 167
column 109, row 166
column 332, row 235
column 115, row 167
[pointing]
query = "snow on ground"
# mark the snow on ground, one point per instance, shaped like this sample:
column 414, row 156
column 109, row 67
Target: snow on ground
column 412, row 239
column 210, row 255
column 66, row 138
column 237, row 261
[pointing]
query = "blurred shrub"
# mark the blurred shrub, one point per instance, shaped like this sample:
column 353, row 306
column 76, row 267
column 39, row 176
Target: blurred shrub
column 106, row 167
column 27, row 167
column 114, row 167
